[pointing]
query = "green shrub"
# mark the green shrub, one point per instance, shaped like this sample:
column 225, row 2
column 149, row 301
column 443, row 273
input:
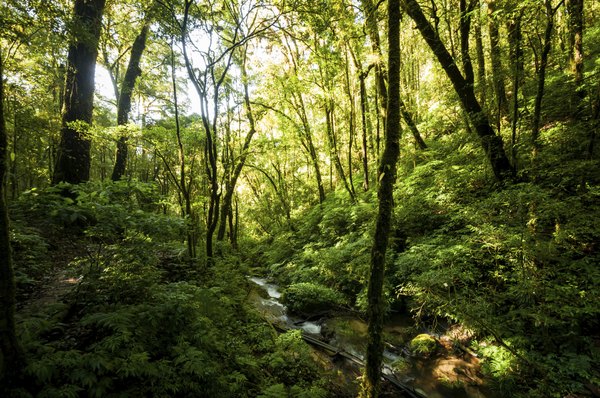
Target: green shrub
column 309, row 298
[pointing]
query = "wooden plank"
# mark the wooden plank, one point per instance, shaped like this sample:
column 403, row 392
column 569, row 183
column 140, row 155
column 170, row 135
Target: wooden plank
column 408, row 390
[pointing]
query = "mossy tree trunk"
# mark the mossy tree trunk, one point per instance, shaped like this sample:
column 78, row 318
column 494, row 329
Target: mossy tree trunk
column 73, row 161
column 490, row 141
column 10, row 351
column 387, row 178
column 575, row 10
column 541, row 74
column 373, row 31
column 226, row 207
column 124, row 103
column 496, row 60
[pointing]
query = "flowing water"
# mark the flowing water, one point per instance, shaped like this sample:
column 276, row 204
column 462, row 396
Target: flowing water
column 445, row 375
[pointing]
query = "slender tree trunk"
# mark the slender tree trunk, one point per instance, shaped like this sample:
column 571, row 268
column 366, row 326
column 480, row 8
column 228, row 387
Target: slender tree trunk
column 363, row 117
column 364, row 112
column 541, row 72
column 496, row 58
column 387, row 178
column 373, row 30
column 481, row 78
column 333, row 151
column 575, row 10
column 516, row 54
column 124, row 103
column 465, row 30
column 309, row 145
column 491, row 143
column 226, row 206
column 183, row 185
column 11, row 355
column 13, row 162
column 412, row 126
column 210, row 128
column 73, row 162
column 352, row 124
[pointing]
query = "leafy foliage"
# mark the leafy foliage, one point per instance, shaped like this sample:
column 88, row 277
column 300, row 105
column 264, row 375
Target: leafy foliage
column 309, row 298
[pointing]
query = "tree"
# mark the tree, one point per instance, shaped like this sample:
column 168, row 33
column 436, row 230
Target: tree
column 541, row 72
column 575, row 26
column 124, row 102
column 73, row 162
column 373, row 31
column 496, row 61
column 10, row 350
column 491, row 143
column 231, row 181
column 387, row 178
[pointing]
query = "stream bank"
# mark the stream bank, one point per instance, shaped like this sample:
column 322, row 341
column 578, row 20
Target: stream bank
column 444, row 372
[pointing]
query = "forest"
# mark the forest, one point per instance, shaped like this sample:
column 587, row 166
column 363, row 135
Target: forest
column 293, row 198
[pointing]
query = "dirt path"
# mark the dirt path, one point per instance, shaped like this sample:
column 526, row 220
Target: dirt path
column 59, row 282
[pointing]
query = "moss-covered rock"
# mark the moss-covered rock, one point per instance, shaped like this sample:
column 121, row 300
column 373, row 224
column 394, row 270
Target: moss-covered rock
column 310, row 298
column 423, row 345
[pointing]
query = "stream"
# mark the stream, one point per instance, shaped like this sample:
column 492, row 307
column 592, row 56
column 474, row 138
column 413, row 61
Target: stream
column 446, row 374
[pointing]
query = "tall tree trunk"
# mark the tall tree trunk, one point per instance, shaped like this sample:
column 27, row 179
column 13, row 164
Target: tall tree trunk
column 211, row 154
column 226, row 206
column 124, row 103
column 11, row 356
column 352, row 123
column 491, row 143
column 387, row 178
column 309, row 145
column 541, row 72
column 516, row 55
column 575, row 10
column 465, row 30
column 496, row 58
column 363, row 118
column 73, row 162
column 364, row 114
column 333, row 150
column 373, row 31
column 183, row 184
column 481, row 78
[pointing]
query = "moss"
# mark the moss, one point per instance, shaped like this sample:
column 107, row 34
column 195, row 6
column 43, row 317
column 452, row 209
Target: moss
column 310, row 298
column 423, row 345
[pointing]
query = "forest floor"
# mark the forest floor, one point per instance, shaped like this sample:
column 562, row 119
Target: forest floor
column 60, row 279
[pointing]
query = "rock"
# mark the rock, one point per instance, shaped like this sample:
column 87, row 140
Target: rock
column 423, row 345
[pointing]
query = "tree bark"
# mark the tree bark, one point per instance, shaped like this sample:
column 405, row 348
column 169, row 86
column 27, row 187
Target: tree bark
column 73, row 162
column 492, row 143
column 11, row 355
column 516, row 55
column 226, row 206
column 481, row 78
column 124, row 103
column 333, row 150
column 363, row 118
column 541, row 72
column 372, row 29
column 465, row 30
column 387, row 178
column 575, row 10
column 496, row 58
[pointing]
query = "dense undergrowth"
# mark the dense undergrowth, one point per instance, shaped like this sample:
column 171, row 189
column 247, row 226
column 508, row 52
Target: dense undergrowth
column 144, row 320
column 517, row 264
